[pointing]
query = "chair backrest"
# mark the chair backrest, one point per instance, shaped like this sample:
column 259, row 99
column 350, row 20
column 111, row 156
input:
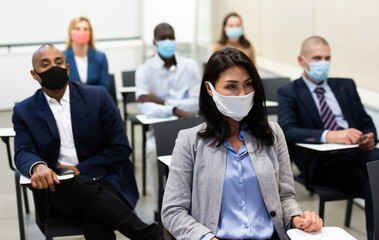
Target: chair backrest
column 112, row 88
column 271, row 86
column 128, row 80
column 166, row 133
column 373, row 170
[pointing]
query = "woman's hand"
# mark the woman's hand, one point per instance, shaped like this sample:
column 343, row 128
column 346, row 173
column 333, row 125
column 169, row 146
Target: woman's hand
column 308, row 221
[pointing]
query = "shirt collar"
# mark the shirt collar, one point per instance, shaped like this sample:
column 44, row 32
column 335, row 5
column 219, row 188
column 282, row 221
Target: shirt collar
column 240, row 136
column 65, row 98
column 312, row 86
column 159, row 63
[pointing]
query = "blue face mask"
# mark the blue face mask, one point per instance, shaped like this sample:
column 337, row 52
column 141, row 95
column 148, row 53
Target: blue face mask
column 166, row 48
column 234, row 33
column 318, row 71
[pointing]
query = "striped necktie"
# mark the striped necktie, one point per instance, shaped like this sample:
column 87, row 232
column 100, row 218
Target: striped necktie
column 327, row 116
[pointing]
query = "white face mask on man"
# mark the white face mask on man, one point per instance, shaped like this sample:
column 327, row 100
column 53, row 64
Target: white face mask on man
column 235, row 107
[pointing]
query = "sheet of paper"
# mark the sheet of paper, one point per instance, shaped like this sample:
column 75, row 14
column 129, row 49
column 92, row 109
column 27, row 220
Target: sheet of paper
column 7, row 132
column 24, row 180
column 271, row 103
column 326, row 233
column 165, row 159
column 151, row 120
column 326, row 146
column 127, row 89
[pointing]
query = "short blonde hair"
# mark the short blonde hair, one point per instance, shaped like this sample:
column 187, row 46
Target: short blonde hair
column 313, row 40
column 73, row 25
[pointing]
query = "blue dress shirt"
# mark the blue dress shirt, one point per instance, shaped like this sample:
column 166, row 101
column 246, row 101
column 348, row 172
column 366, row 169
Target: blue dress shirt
column 243, row 212
column 332, row 104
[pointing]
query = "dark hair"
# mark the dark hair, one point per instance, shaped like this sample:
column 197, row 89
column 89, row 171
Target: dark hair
column 256, row 120
column 223, row 40
column 162, row 27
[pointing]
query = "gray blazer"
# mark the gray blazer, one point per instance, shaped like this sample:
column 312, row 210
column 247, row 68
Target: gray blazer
column 193, row 193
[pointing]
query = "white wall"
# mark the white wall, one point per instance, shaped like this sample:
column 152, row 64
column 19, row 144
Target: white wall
column 277, row 29
column 39, row 21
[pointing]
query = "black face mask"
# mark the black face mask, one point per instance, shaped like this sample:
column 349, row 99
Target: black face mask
column 54, row 78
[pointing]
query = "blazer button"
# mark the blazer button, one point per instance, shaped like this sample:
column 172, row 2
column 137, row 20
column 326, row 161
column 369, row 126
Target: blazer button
column 272, row 213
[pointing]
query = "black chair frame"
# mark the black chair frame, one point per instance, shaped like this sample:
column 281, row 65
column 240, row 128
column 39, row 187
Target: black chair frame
column 325, row 193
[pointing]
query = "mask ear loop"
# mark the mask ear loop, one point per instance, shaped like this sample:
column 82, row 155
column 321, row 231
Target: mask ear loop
column 305, row 60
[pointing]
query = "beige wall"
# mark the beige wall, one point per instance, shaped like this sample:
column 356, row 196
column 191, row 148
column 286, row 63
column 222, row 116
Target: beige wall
column 277, row 28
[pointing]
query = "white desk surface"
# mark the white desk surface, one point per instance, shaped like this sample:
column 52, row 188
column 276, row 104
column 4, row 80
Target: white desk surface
column 24, row 180
column 271, row 103
column 165, row 159
column 7, row 132
column 127, row 89
column 322, row 147
column 151, row 120
column 326, row 233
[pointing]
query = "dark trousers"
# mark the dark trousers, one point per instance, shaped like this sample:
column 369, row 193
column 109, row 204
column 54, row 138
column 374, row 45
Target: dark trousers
column 346, row 170
column 102, row 209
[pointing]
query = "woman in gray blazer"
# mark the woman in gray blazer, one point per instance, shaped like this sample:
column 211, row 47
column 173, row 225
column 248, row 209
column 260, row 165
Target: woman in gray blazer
column 230, row 178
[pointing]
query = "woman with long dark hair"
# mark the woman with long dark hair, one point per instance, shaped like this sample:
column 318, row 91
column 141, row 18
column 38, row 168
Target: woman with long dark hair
column 230, row 177
column 232, row 35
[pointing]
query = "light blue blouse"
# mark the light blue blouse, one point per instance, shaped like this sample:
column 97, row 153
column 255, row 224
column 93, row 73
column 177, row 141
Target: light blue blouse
column 243, row 211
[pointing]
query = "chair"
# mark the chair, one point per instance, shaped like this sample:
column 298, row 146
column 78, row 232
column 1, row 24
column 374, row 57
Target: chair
column 271, row 86
column 128, row 80
column 373, row 170
column 53, row 226
column 325, row 193
column 112, row 88
column 165, row 137
column 5, row 135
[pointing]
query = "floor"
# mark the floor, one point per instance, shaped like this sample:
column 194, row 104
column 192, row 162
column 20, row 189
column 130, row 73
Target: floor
column 334, row 212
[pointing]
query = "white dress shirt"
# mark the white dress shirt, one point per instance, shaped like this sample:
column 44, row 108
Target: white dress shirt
column 62, row 114
column 82, row 66
column 331, row 101
column 178, row 86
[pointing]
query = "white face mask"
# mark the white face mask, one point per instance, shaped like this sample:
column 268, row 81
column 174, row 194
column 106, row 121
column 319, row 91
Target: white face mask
column 235, row 107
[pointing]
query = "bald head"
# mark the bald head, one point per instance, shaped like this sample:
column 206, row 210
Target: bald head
column 42, row 51
column 310, row 42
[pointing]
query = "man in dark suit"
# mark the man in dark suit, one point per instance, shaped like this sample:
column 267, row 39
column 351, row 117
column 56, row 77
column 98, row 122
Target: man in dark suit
column 317, row 109
column 77, row 127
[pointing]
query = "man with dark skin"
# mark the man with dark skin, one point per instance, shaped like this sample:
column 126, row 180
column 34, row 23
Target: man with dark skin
column 166, row 85
column 161, row 33
column 77, row 127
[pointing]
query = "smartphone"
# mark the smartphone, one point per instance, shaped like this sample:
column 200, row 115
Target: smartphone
column 64, row 171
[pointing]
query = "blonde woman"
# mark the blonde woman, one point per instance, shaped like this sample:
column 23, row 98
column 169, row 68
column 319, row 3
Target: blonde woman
column 87, row 65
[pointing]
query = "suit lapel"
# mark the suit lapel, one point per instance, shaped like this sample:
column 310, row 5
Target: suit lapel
column 307, row 101
column 264, row 170
column 217, row 166
column 91, row 65
column 77, row 113
column 74, row 74
column 47, row 115
column 340, row 94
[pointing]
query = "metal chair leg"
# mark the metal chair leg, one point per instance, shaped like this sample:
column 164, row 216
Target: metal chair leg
column 321, row 208
column 19, row 206
column 349, row 207
column 26, row 201
column 133, row 144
